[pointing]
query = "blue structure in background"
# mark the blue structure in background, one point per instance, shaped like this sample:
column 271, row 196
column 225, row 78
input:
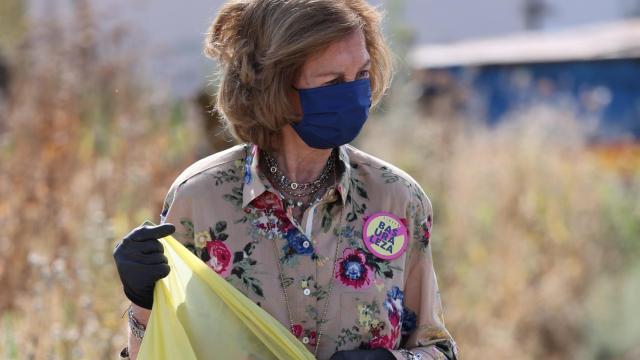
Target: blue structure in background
column 593, row 72
column 607, row 89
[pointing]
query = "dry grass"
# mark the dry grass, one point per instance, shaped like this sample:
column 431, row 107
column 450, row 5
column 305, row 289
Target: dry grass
column 535, row 243
column 87, row 152
column 529, row 227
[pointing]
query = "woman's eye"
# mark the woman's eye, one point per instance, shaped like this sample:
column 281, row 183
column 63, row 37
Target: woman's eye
column 332, row 82
column 363, row 74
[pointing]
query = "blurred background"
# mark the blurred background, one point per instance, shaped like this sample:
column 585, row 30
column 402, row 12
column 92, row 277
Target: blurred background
column 520, row 118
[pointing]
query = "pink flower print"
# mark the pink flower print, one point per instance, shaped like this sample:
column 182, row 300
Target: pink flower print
column 296, row 330
column 219, row 257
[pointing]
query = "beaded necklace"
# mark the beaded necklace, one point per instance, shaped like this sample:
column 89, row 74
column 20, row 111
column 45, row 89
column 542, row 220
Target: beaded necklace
column 298, row 192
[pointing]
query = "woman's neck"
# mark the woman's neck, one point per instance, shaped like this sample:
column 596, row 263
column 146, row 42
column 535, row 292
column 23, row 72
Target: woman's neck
column 300, row 162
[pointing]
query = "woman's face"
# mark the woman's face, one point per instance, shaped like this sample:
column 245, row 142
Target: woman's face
column 343, row 61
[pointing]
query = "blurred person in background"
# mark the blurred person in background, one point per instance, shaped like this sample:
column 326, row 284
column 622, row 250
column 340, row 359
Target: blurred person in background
column 332, row 242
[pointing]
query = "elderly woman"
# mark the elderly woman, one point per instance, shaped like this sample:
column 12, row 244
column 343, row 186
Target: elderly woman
column 332, row 242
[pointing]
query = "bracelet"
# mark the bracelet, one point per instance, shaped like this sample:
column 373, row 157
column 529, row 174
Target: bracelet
column 137, row 329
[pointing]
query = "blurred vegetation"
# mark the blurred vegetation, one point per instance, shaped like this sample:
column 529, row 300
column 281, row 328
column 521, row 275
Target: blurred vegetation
column 535, row 240
column 87, row 151
column 12, row 24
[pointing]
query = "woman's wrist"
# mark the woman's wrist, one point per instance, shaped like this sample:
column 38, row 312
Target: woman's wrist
column 141, row 317
column 135, row 327
column 141, row 314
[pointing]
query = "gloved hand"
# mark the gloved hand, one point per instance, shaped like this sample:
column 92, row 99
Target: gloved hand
column 140, row 261
column 374, row 354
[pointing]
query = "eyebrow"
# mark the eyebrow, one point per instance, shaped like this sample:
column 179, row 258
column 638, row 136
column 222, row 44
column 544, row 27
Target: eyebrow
column 334, row 73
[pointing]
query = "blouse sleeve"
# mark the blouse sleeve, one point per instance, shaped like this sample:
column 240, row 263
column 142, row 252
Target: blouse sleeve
column 423, row 328
column 177, row 210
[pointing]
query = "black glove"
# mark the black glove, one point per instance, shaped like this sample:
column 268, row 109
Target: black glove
column 140, row 261
column 375, row 354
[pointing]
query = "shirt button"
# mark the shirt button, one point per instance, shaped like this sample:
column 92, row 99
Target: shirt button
column 305, row 340
column 306, row 244
column 306, row 292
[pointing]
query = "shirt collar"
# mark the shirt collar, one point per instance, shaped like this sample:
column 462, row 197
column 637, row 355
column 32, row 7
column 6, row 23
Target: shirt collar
column 254, row 184
column 345, row 175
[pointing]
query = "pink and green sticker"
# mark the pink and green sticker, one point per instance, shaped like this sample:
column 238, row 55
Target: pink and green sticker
column 385, row 235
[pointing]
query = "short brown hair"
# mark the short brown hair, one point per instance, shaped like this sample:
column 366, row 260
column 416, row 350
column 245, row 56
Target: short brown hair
column 261, row 46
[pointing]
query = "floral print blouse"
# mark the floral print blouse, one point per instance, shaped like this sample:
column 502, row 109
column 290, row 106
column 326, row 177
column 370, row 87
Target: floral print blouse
column 227, row 213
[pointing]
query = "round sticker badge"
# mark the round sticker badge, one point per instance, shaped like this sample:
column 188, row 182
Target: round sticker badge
column 385, row 235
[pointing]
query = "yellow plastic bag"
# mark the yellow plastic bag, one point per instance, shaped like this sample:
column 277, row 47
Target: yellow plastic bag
column 198, row 315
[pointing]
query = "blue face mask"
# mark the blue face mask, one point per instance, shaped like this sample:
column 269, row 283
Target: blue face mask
column 333, row 115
